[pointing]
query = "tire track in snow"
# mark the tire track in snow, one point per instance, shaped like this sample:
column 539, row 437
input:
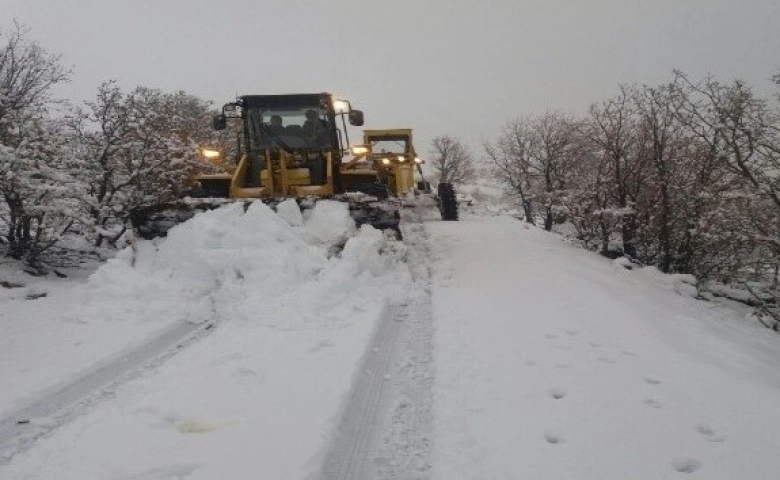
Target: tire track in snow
column 386, row 425
column 21, row 428
column 406, row 450
column 358, row 431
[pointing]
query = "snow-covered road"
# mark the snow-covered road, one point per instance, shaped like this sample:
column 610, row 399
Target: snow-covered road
column 480, row 349
column 20, row 428
column 553, row 362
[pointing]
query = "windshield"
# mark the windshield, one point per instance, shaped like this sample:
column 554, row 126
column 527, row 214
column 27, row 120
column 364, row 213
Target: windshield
column 398, row 145
column 294, row 128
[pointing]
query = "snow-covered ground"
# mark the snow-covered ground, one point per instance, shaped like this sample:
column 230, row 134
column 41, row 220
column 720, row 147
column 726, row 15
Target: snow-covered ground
column 257, row 397
column 555, row 363
column 514, row 355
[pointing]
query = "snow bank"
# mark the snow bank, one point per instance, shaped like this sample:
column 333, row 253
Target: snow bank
column 216, row 254
column 685, row 285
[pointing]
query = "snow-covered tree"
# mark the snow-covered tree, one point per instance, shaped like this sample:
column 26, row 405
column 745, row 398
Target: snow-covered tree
column 27, row 73
column 553, row 145
column 511, row 157
column 140, row 148
column 741, row 135
column 662, row 145
column 451, row 160
column 35, row 209
column 612, row 133
column 534, row 157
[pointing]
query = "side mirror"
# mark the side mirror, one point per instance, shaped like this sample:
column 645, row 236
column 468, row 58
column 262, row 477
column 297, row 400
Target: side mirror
column 219, row 122
column 356, row 118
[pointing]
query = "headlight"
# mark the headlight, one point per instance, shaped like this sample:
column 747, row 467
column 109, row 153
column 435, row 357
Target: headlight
column 417, row 160
column 401, row 158
column 210, row 153
column 385, row 161
column 341, row 106
column 359, row 150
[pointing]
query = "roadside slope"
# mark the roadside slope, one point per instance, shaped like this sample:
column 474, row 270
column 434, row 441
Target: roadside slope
column 552, row 362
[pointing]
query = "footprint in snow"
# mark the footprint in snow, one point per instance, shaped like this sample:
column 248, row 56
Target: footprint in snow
column 572, row 332
column 554, row 436
column 709, row 433
column 651, row 381
column 562, row 365
column 652, row 403
column 686, row 464
column 594, row 344
column 170, row 471
column 550, row 336
column 557, row 393
column 607, row 360
column 320, row 346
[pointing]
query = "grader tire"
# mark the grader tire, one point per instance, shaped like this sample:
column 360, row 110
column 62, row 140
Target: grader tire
column 448, row 202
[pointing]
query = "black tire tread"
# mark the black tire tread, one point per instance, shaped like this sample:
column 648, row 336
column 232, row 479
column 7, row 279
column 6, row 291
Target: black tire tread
column 448, row 202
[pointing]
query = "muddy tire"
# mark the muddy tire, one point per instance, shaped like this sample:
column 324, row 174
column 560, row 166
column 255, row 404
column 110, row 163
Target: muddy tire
column 448, row 202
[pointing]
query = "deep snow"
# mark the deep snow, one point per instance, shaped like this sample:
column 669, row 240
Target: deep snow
column 518, row 356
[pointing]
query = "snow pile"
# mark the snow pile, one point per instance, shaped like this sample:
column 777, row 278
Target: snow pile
column 230, row 256
column 623, row 262
column 685, row 285
column 329, row 223
column 290, row 212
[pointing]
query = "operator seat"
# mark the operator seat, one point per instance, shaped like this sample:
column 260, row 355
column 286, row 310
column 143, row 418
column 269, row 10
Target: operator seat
column 295, row 130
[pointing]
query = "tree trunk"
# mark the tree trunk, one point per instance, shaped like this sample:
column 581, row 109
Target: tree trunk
column 548, row 219
column 628, row 232
column 664, row 233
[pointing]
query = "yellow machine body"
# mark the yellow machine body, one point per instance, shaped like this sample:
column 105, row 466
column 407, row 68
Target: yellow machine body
column 288, row 146
column 386, row 157
column 283, row 176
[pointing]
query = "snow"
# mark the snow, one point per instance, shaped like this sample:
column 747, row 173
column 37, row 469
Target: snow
column 519, row 356
column 292, row 321
column 553, row 362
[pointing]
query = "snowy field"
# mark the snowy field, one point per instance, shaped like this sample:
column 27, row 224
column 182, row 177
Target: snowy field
column 516, row 355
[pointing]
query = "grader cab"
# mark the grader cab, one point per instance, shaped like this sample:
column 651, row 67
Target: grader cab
column 289, row 146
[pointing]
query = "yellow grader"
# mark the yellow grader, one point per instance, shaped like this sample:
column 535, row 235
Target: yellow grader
column 385, row 164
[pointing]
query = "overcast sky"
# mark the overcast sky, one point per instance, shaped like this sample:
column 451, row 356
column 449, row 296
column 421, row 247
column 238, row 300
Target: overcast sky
column 456, row 67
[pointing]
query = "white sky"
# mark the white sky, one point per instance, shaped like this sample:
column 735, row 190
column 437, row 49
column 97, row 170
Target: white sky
column 441, row 67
